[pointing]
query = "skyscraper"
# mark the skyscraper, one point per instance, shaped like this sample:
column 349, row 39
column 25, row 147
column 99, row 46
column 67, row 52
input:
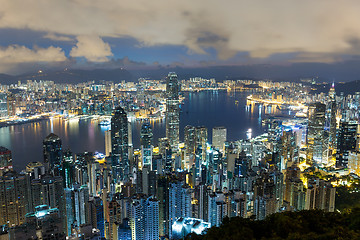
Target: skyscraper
column 52, row 150
column 68, row 169
column 77, row 204
column 146, row 136
column 119, row 142
column 315, row 136
column 190, row 143
column 332, row 135
column 219, row 138
column 172, row 110
column 195, row 141
column 346, row 142
column 201, row 136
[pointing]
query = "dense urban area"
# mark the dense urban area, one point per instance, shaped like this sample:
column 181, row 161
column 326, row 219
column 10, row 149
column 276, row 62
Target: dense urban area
column 308, row 160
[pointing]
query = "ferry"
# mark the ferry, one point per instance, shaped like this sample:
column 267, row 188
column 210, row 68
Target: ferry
column 105, row 123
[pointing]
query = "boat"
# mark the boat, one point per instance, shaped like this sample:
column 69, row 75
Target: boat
column 105, row 123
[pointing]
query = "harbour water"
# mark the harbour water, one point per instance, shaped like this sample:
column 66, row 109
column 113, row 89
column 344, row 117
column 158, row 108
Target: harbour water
column 206, row 108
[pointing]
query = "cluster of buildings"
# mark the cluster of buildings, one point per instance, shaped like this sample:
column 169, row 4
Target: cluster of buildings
column 176, row 188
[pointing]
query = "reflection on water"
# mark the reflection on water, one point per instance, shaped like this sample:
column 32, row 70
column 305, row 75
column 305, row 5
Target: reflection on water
column 209, row 108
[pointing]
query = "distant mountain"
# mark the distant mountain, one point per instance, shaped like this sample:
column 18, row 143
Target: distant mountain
column 72, row 76
column 292, row 73
column 347, row 87
column 7, row 79
column 259, row 71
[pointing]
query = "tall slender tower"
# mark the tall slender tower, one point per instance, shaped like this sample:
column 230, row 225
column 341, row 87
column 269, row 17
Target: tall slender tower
column 119, row 143
column 172, row 110
column 332, row 135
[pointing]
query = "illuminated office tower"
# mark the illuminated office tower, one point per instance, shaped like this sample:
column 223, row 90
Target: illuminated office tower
column 146, row 136
column 119, row 142
column 332, row 120
column 172, row 110
column 315, row 136
column 219, row 138
column 165, row 151
column 52, row 150
column 13, row 199
column 346, row 142
column 5, row 160
column 107, row 142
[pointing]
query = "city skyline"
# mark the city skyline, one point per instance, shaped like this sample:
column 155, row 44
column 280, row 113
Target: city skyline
column 305, row 151
column 167, row 120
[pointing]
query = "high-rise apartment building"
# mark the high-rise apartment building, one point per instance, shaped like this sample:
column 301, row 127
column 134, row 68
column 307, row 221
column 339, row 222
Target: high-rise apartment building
column 49, row 191
column 144, row 220
column 179, row 203
column 13, row 199
column 77, row 204
column 5, row 160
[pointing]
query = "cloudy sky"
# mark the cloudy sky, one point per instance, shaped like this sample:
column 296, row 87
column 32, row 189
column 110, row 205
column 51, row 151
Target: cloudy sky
column 142, row 33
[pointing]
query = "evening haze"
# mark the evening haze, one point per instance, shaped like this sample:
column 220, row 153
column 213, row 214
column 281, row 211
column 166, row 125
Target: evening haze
column 290, row 35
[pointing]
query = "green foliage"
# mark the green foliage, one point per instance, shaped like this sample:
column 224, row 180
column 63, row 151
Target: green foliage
column 347, row 197
column 313, row 224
